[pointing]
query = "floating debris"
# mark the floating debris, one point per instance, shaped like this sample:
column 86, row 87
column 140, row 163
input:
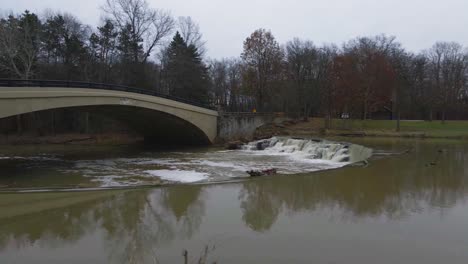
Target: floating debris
column 259, row 173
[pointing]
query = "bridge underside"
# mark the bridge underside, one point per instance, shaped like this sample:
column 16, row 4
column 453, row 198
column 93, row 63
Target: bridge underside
column 156, row 118
column 156, row 127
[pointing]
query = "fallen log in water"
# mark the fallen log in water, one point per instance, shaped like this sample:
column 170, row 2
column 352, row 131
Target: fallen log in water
column 259, row 173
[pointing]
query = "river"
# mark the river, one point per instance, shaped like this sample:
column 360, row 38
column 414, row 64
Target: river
column 399, row 208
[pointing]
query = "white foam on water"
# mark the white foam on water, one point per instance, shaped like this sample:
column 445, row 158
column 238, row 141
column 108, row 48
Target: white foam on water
column 223, row 164
column 33, row 158
column 288, row 156
column 115, row 181
column 108, row 181
column 179, row 175
column 156, row 162
column 308, row 150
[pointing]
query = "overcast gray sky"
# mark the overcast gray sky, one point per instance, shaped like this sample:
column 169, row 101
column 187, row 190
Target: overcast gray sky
column 225, row 24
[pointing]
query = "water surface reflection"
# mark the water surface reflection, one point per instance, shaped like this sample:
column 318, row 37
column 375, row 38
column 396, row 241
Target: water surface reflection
column 377, row 207
column 133, row 224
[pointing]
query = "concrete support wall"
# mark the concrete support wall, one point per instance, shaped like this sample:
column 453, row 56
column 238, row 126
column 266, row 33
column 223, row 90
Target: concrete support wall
column 234, row 126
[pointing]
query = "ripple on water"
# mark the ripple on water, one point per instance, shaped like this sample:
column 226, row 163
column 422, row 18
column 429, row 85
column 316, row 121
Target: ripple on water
column 288, row 156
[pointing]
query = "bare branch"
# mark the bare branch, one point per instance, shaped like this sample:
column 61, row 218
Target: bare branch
column 148, row 26
column 190, row 31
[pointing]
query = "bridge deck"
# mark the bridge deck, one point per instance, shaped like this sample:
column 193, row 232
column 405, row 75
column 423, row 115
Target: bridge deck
column 100, row 86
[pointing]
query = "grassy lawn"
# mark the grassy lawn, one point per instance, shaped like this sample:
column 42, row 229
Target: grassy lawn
column 426, row 128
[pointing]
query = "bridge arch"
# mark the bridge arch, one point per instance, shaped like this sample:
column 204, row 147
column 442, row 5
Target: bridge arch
column 153, row 116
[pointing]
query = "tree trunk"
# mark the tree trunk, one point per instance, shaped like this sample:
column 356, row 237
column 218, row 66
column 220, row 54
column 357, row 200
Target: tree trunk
column 306, row 112
column 364, row 117
column 19, row 126
column 397, row 111
column 398, row 121
column 35, row 123
column 443, row 116
column 86, row 123
column 53, row 122
column 327, row 121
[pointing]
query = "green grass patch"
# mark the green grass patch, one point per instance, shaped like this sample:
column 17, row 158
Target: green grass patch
column 430, row 129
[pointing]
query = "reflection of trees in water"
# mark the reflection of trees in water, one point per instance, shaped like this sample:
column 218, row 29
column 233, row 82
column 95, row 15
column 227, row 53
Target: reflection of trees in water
column 136, row 223
column 163, row 216
column 260, row 208
column 394, row 187
column 187, row 207
column 54, row 227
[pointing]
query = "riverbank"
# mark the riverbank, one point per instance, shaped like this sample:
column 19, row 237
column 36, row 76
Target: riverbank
column 71, row 139
column 368, row 128
column 311, row 128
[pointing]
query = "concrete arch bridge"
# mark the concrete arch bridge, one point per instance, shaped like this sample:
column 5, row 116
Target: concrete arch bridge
column 156, row 116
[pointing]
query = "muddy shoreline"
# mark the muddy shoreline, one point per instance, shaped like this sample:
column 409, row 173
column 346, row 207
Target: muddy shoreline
column 70, row 139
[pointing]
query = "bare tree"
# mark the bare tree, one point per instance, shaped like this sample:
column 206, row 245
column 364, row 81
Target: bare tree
column 19, row 47
column 402, row 65
column 302, row 69
column 263, row 58
column 219, row 80
column 371, row 62
column 237, row 101
column 448, row 65
column 326, row 81
column 226, row 83
column 190, row 31
column 146, row 25
column 18, row 44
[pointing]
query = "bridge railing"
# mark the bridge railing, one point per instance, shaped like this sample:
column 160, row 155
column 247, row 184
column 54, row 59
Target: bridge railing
column 101, row 86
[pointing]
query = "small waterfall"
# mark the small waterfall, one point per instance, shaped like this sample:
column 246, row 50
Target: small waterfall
column 311, row 149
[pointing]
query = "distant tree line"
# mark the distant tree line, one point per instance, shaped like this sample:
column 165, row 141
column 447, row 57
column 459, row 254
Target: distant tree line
column 368, row 77
column 136, row 45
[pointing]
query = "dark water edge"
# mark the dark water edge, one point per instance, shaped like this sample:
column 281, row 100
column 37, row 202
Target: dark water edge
column 398, row 209
column 40, row 167
column 70, row 139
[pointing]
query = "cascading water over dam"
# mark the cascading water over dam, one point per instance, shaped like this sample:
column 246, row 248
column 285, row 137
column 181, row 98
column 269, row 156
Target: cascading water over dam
column 311, row 149
column 286, row 155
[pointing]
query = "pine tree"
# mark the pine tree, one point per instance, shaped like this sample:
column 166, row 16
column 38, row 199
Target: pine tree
column 186, row 74
column 103, row 45
column 130, row 51
column 130, row 46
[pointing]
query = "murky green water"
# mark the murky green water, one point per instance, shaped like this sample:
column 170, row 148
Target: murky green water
column 399, row 209
column 108, row 167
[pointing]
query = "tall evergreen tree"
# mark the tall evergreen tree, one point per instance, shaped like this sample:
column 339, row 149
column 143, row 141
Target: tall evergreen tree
column 187, row 75
column 130, row 50
column 103, row 45
column 65, row 48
